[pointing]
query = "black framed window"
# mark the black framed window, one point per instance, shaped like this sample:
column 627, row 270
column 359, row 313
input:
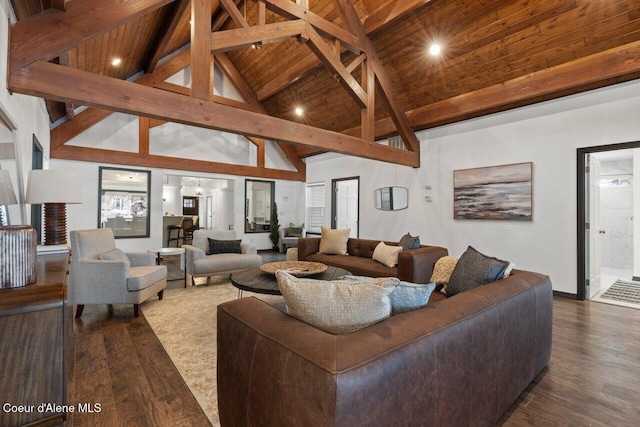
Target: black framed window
column 124, row 201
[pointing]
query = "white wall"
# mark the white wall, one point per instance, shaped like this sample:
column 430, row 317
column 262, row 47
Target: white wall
column 546, row 134
column 28, row 116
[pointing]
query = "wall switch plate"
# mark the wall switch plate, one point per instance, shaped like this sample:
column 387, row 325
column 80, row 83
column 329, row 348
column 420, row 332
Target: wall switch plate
column 427, row 187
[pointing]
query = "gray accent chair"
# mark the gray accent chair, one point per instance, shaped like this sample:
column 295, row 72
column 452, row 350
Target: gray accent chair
column 200, row 263
column 130, row 278
column 286, row 241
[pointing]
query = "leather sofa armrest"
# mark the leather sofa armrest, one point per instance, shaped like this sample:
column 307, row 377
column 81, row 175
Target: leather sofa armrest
column 416, row 265
column 308, row 246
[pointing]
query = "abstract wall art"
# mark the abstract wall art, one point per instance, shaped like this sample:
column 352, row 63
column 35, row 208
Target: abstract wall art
column 495, row 192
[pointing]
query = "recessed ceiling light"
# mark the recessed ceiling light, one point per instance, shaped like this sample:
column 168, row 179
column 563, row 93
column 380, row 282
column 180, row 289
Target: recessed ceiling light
column 299, row 111
column 116, row 61
column 435, row 49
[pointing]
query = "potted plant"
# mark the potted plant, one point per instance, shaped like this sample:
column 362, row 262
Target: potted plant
column 275, row 227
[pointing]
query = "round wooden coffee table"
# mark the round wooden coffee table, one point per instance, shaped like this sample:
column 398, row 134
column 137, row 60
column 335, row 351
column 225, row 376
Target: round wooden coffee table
column 255, row 280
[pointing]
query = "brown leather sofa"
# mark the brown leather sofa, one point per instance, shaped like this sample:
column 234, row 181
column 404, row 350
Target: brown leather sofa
column 414, row 265
column 459, row 361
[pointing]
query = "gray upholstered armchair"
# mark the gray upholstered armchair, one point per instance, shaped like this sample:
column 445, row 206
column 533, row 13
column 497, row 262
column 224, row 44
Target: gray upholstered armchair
column 102, row 274
column 289, row 236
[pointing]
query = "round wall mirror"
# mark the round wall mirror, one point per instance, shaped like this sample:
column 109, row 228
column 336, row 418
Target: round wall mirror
column 391, row 198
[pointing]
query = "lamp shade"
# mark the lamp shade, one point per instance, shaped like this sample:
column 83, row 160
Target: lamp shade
column 53, row 186
column 7, row 195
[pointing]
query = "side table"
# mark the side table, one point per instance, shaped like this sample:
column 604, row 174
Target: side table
column 162, row 252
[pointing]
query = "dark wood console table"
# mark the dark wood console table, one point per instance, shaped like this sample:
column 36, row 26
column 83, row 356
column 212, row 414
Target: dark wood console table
column 36, row 351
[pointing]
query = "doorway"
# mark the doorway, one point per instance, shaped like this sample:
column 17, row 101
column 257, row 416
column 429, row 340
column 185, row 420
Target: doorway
column 345, row 204
column 607, row 248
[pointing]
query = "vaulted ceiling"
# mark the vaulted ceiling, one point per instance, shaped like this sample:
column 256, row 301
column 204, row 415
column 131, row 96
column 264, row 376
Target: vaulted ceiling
column 320, row 55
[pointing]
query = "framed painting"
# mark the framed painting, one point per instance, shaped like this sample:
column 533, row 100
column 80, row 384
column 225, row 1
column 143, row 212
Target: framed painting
column 495, row 192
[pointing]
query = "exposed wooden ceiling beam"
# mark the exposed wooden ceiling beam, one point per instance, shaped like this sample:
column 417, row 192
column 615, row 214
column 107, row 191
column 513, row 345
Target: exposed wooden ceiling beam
column 234, row 13
column 72, row 128
column 144, row 124
column 368, row 114
column 240, row 38
column 327, row 28
column 171, row 21
column 164, row 162
column 91, row 116
column 245, row 90
column 238, row 81
column 389, row 12
column 384, row 15
column 167, row 69
column 53, row 81
column 71, row 114
column 387, row 92
column 598, row 70
column 201, row 58
column 47, row 35
column 332, row 61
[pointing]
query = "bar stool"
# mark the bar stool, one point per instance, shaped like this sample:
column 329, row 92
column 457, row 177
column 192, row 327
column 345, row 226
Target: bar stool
column 177, row 239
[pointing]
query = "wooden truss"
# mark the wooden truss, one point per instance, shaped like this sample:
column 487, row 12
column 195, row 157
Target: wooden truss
column 43, row 38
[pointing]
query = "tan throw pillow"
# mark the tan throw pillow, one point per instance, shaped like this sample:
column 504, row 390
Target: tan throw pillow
column 387, row 255
column 334, row 242
column 443, row 269
column 338, row 306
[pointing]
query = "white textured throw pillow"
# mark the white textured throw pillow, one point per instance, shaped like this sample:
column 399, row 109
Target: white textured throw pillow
column 334, row 242
column 339, row 306
column 387, row 255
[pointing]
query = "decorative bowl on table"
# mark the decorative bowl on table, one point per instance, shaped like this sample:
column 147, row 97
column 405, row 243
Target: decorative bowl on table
column 295, row 268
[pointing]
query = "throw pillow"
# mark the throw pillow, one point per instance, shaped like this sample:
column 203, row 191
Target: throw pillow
column 387, row 255
column 115, row 254
column 294, row 230
column 224, row 246
column 442, row 269
column 338, row 306
column 409, row 242
column 410, row 296
column 405, row 296
column 475, row 269
column 334, row 241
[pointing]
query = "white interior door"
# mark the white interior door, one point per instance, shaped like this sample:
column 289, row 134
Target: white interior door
column 594, row 231
column 346, row 208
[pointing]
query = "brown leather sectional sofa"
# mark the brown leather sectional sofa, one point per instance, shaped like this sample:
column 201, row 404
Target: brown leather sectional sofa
column 414, row 265
column 459, row 361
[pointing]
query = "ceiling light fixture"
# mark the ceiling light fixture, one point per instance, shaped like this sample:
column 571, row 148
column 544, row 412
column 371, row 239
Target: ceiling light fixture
column 435, row 49
column 116, row 61
column 199, row 189
column 299, row 111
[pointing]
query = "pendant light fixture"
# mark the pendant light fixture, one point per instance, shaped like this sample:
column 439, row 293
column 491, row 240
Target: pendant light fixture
column 199, row 189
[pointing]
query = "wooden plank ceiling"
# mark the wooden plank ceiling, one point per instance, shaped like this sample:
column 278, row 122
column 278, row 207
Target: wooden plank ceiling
column 497, row 54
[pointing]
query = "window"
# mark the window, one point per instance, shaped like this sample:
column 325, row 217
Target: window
column 315, row 207
column 124, row 201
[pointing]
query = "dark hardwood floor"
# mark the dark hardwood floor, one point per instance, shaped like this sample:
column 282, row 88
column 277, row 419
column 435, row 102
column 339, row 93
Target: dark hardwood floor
column 592, row 379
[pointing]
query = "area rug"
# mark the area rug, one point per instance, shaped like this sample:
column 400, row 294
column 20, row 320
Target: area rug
column 623, row 290
column 185, row 323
